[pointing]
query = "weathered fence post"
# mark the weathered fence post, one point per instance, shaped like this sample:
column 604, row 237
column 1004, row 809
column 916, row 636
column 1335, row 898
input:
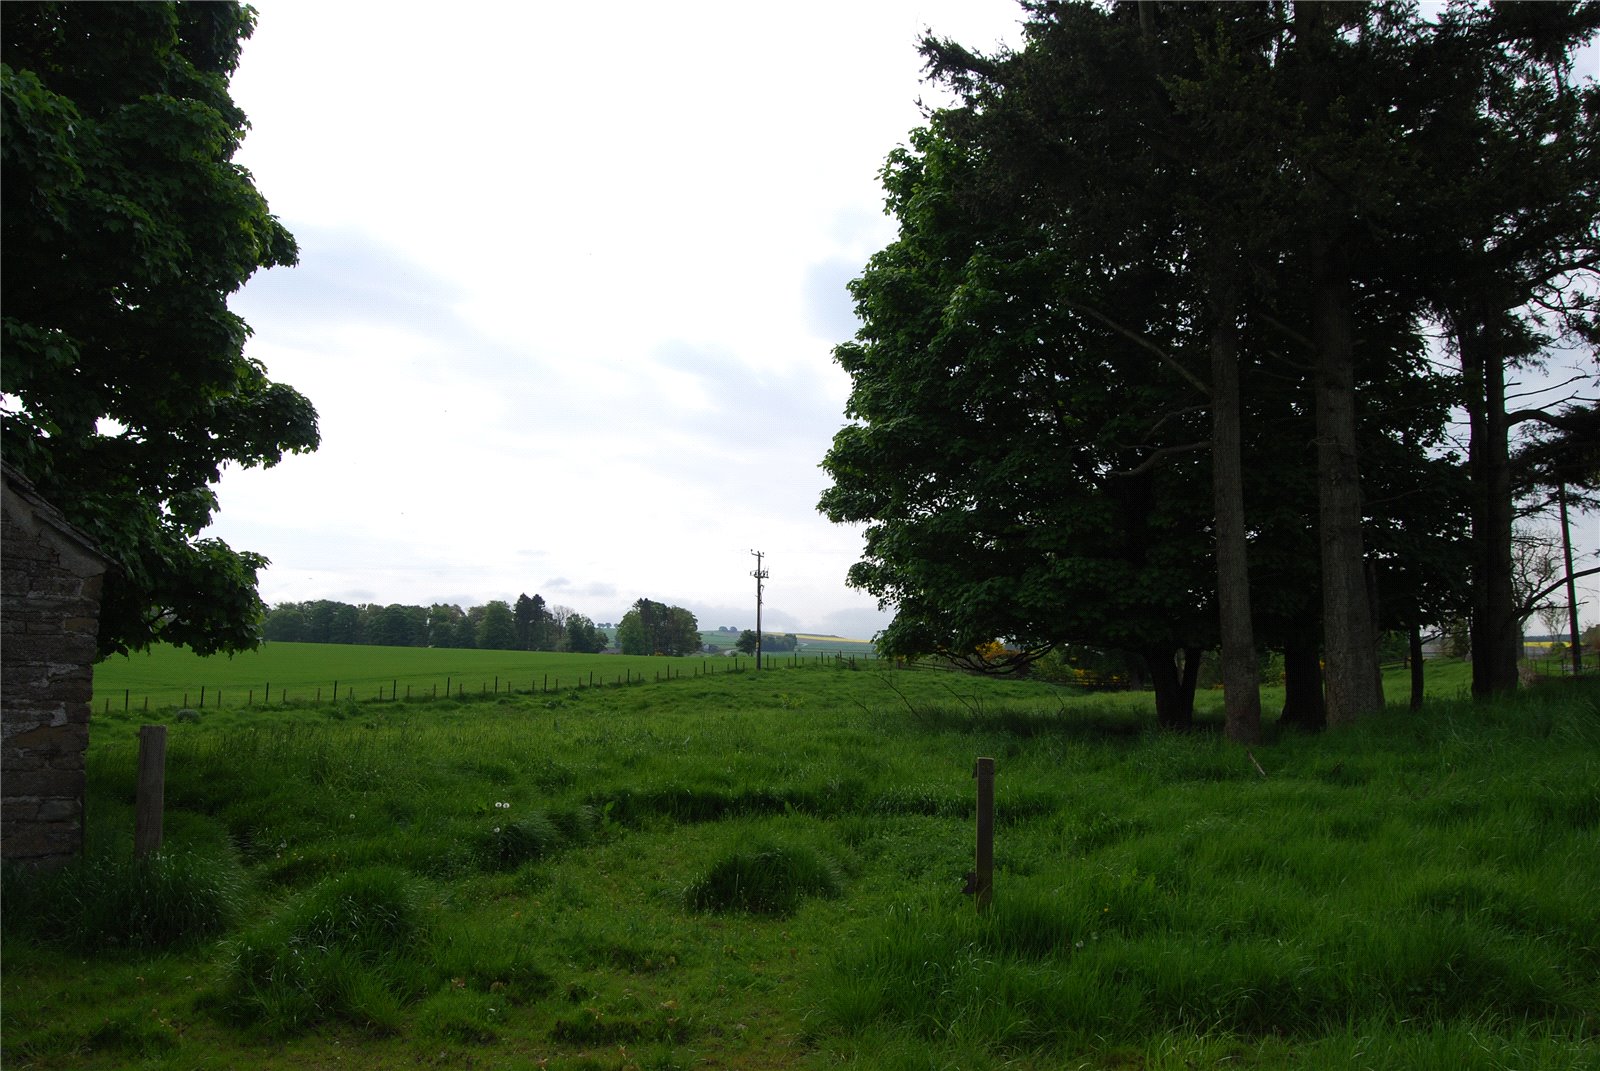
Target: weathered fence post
column 150, row 793
column 980, row 883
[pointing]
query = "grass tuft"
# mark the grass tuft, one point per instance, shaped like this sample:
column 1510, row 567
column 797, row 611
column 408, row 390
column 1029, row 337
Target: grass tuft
column 764, row 879
column 346, row 949
column 168, row 900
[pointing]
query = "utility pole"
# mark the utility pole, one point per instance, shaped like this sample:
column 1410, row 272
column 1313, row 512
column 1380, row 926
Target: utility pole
column 760, row 574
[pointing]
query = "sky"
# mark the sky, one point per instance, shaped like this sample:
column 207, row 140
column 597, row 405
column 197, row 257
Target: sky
column 568, row 288
column 569, row 283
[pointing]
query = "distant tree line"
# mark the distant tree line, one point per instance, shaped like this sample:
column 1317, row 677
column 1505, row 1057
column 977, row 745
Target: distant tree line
column 528, row 625
column 769, row 642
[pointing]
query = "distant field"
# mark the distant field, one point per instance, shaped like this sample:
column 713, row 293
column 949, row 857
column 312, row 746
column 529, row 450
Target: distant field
column 812, row 643
column 293, row 672
column 299, row 672
column 168, row 677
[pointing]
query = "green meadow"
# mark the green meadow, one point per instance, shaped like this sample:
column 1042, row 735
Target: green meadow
column 764, row 870
column 278, row 673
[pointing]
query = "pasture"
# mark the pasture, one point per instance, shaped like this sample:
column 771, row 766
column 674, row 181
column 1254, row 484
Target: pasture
column 279, row 673
column 764, row 870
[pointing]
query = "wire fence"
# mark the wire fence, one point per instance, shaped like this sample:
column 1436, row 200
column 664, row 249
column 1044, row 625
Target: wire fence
column 359, row 688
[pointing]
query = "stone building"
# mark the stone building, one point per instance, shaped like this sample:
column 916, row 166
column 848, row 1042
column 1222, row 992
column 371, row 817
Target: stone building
column 50, row 577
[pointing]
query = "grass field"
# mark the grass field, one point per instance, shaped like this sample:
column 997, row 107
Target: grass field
column 764, row 871
column 277, row 673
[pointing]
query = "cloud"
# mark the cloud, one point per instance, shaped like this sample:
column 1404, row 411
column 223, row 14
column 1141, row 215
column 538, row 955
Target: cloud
column 591, row 341
column 345, row 277
column 830, row 310
column 597, row 590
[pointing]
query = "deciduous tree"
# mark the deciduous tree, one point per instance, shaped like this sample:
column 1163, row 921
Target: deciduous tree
column 126, row 226
column 496, row 629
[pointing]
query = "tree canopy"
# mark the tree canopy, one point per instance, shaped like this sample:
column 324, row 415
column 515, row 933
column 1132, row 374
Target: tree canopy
column 1161, row 247
column 126, row 226
column 493, row 626
column 653, row 628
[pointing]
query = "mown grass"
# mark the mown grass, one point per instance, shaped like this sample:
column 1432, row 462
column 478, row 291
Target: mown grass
column 306, row 673
column 764, row 870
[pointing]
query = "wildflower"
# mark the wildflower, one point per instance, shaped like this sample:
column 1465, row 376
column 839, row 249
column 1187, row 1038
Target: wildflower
column 497, row 829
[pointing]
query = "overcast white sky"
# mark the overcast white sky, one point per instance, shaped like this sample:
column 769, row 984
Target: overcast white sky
column 569, row 284
column 570, row 279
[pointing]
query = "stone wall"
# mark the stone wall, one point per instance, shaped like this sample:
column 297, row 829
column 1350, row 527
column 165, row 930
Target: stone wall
column 50, row 581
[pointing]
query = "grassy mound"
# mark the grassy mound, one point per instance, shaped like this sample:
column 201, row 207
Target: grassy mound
column 762, row 879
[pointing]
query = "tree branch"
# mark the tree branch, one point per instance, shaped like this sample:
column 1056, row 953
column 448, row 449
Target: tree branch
column 1162, row 355
column 1529, row 604
column 1156, row 458
column 1559, row 421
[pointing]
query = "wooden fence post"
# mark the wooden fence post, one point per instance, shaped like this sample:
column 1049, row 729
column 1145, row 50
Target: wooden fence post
column 150, row 792
column 980, row 883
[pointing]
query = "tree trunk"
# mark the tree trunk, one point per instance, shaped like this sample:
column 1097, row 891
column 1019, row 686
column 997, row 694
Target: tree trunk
column 1353, row 689
column 1174, row 690
column 1302, row 683
column 1496, row 629
column 1241, row 676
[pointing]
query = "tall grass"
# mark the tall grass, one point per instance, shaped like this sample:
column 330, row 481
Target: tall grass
column 166, row 900
column 765, row 869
